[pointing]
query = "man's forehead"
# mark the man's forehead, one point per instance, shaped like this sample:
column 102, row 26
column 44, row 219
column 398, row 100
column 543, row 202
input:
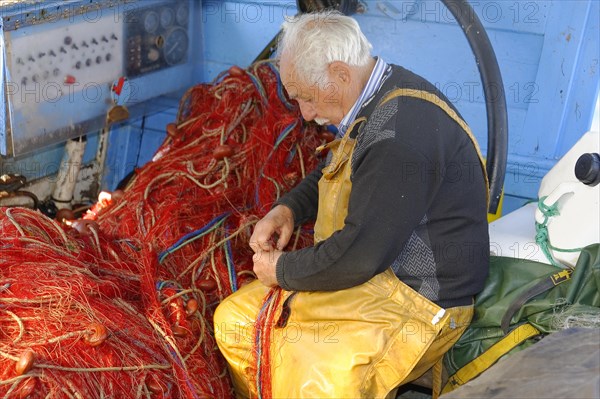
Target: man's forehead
column 289, row 79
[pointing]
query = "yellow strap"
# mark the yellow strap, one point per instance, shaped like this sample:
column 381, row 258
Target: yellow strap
column 432, row 98
column 490, row 356
column 437, row 378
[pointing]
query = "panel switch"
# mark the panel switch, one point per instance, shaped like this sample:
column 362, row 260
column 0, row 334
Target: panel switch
column 70, row 79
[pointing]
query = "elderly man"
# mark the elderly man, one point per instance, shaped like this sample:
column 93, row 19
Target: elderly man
column 401, row 236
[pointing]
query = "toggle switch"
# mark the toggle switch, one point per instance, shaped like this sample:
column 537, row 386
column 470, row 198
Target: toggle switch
column 70, row 79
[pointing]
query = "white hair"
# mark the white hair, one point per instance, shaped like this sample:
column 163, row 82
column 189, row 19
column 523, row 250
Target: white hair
column 312, row 41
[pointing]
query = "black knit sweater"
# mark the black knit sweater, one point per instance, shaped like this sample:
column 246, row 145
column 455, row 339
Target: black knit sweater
column 418, row 204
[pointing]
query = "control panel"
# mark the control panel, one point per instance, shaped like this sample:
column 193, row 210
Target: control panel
column 157, row 37
column 64, row 60
column 63, row 63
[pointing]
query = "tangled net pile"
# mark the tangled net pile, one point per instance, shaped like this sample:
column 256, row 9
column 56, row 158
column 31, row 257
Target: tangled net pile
column 119, row 304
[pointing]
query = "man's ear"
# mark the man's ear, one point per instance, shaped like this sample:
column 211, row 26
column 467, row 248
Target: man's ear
column 341, row 71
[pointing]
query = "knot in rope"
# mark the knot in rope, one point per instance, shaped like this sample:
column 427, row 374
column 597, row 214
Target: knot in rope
column 548, row 210
column 542, row 237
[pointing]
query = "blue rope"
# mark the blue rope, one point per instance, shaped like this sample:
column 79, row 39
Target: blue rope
column 290, row 157
column 285, row 133
column 282, row 136
column 260, row 88
column 280, row 92
column 162, row 284
column 230, row 264
column 187, row 379
column 194, row 235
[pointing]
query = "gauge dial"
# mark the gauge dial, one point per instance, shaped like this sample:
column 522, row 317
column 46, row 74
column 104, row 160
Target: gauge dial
column 182, row 14
column 151, row 22
column 167, row 17
column 175, row 46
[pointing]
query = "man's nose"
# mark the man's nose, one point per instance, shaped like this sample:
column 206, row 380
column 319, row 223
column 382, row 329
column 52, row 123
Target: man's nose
column 308, row 111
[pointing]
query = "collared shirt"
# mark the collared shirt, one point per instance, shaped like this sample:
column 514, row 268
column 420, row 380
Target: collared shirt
column 373, row 84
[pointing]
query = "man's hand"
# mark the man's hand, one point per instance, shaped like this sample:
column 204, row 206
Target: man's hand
column 265, row 263
column 280, row 221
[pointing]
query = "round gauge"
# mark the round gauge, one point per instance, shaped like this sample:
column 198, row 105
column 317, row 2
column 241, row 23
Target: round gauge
column 182, row 14
column 167, row 17
column 175, row 46
column 151, row 22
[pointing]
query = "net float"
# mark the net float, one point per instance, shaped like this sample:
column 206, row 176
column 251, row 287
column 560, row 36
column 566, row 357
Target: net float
column 172, row 130
column 25, row 362
column 95, row 334
column 64, row 214
column 179, row 331
column 236, row 71
column 191, row 306
column 222, row 151
column 117, row 195
column 207, row 285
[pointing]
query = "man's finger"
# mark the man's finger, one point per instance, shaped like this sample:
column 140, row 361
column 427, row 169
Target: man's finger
column 254, row 245
column 266, row 246
column 284, row 238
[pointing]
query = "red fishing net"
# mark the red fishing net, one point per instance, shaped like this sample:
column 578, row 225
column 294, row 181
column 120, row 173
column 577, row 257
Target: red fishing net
column 120, row 304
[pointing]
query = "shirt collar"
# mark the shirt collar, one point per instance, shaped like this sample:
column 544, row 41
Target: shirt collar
column 373, row 84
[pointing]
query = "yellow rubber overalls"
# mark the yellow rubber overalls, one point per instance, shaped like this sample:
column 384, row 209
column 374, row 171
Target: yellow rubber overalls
column 360, row 342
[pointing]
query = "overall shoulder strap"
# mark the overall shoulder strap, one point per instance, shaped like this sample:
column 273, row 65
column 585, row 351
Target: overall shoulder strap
column 434, row 99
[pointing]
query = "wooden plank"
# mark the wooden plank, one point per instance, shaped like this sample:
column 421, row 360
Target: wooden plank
column 560, row 61
column 238, row 31
column 517, row 15
column 122, row 155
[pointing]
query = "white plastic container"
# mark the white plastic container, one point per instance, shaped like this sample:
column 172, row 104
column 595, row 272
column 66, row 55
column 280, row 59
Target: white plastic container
column 576, row 225
column 578, row 204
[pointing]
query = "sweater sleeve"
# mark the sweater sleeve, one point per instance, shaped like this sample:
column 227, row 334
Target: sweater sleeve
column 388, row 200
column 303, row 199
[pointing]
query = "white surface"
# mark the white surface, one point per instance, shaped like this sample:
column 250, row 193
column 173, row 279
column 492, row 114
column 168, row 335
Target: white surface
column 68, row 173
column 513, row 235
column 596, row 119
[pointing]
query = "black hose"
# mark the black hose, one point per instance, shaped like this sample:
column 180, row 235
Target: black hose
column 18, row 193
column 493, row 89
